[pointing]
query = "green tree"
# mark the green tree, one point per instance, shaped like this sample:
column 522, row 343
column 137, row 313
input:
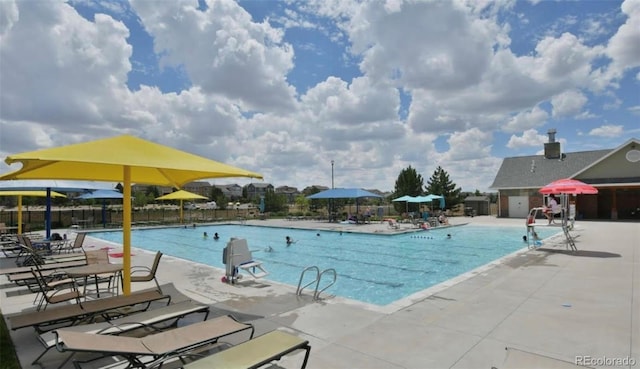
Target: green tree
column 218, row 196
column 302, row 202
column 140, row 199
column 152, row 192
column 274, row 202
column 440, row 184
column 409, row 183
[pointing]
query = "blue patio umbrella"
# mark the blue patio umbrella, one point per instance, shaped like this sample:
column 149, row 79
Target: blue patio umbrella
column 343, row 193
column 49, row 185
column 407, row 199
column 430, row 198
column 104, row 195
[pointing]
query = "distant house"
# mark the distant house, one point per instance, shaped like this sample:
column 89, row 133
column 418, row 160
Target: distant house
column 289, row 192
column 256, row 190
column 615, row 172
column 230, row 191
column 200, row 188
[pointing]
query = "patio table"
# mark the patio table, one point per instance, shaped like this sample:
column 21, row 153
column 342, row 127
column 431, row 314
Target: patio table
column 86, row 271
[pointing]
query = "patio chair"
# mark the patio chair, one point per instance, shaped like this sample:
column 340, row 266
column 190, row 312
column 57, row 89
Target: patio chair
column 159, row 318
column 255, row 353
column 54, row 292
column 141, row 273
column 54, row 279
column 155, row 349
column 522, row 359
column 100, row 257
column 76, row 246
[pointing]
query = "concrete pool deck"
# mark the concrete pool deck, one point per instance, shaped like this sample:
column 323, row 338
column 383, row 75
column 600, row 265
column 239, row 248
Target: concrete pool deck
column 547, row 301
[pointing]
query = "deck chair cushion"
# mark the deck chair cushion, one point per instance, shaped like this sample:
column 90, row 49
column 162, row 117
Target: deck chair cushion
column 255, row 353
column 149, row 318
column 69, row 314
column 164, row 345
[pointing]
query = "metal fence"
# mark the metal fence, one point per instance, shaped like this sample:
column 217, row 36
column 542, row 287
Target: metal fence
column 34, row 220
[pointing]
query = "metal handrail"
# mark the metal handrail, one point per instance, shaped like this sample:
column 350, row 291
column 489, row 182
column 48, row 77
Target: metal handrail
column 316, row 280
column 335, row 276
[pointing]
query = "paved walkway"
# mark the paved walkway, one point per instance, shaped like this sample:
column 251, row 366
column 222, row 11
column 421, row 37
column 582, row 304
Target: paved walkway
column 547, row 301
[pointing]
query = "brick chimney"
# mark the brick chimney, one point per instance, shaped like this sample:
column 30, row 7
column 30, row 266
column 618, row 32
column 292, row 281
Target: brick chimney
column 552, row 148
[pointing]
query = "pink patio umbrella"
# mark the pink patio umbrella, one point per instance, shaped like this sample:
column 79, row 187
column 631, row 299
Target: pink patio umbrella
column 568, row 186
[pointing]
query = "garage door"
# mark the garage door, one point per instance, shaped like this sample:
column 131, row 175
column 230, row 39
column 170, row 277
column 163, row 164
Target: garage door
column 518, row 206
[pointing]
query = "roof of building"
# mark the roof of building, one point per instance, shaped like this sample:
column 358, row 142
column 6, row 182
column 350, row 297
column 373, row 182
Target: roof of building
column 476, row 198
column 259, row 185
column 535, row 171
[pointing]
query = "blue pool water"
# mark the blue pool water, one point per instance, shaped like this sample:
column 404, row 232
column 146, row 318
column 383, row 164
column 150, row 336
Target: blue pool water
column 376, row 269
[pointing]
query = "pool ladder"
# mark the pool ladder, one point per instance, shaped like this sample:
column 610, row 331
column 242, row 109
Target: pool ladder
column 319, row 275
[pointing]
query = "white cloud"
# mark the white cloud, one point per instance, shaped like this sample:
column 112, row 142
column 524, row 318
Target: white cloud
column 529, row 138
column 568, row 103
column 471, row 144
column 607, row 131
column 334, row 101
column 61, row 70
column 227, row 52
column 624, row 46
column 526, row 120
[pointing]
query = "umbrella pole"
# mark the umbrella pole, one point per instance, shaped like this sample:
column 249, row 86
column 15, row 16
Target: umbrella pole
column 104, row 213
column 126, row 232
column 19, row 214
column 181, row 215
column 47, row 217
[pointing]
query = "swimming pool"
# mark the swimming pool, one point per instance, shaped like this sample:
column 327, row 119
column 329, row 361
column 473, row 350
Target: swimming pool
column 372, row 268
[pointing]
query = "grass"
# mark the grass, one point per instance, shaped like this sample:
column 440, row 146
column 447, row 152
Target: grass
column 7, row 351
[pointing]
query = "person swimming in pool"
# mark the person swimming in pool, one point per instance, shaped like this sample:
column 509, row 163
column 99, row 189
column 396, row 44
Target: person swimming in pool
column 205, row 235
column 215, row 236
column 289, row 240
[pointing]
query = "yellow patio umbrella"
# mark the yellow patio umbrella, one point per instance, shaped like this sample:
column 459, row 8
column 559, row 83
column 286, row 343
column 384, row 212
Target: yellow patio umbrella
column 20, row 194
column 125, row 159
column 182, row 195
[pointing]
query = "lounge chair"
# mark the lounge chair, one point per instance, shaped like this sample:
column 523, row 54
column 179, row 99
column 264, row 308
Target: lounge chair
column 44, row 266
column 22, row 275
column 43, row 254
column 256, row 352
column 155, row 349
column 393, row 224
column 164, row 316
column 517, row 359
column 67, row 315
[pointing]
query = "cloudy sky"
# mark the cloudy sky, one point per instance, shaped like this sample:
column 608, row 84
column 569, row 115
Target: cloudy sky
column 285, row 87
